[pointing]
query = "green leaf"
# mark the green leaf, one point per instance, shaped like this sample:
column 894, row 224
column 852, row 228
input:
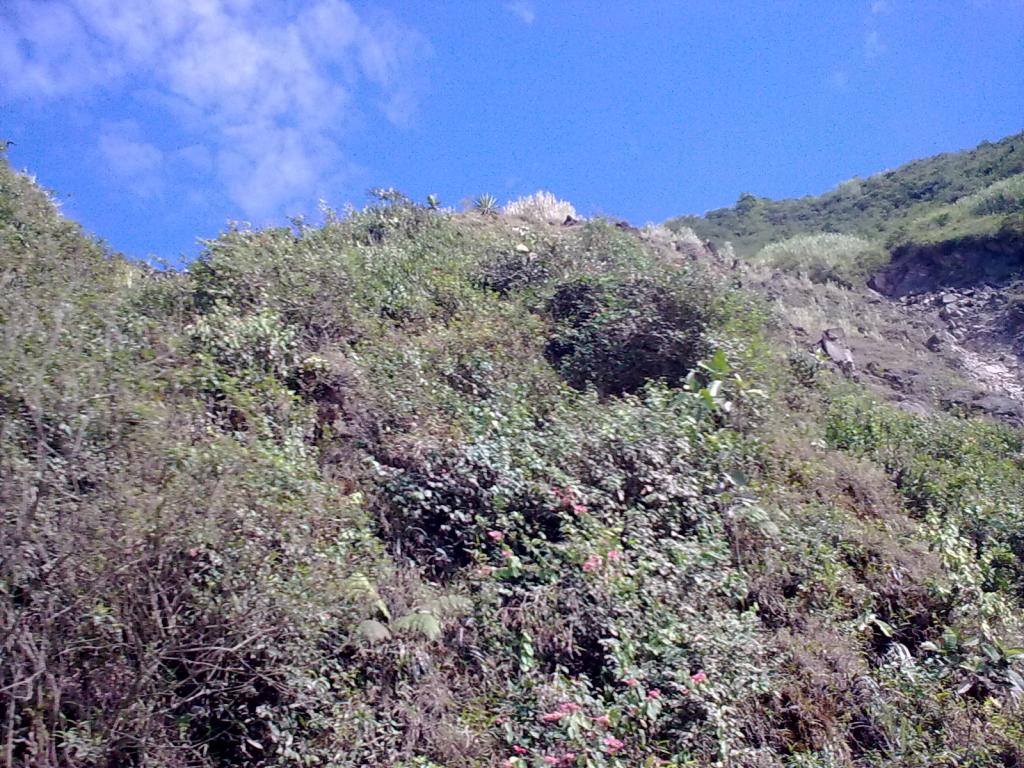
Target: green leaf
column 373, row 631
column 425, row 625
column 449, row 605
column 883, row 627
column 358, row 587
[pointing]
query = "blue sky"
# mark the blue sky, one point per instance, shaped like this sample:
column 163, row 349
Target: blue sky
column 157, row 122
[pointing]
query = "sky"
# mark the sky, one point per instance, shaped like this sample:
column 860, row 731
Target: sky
column 156, row 123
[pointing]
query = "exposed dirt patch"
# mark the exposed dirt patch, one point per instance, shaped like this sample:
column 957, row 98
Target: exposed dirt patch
column 922, row 268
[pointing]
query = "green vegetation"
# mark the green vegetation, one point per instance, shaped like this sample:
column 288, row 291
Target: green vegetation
column 996, row 209
column 824, row 258
column 918, row 201
column 417, row 488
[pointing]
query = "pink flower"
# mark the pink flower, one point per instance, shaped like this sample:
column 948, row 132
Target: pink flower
column 484, row 571
column 495, row 535
column 550, row 760
column 613, row 744
column 506, row 553
column 614, row 555
column 699, row 677
column 604, row 720
column 564, row 495
column 569, row 707
column 519, row 750
column 553, row 717
column 592, row 564
column 653, row 693
column 193, row 553
column 631, row 681
column 508, row 763
column 699, row 638
column 579, row 509
column 568, row 758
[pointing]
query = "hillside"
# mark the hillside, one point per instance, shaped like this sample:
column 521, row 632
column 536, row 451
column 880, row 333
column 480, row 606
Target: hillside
column 940, row 198
column 419, row 488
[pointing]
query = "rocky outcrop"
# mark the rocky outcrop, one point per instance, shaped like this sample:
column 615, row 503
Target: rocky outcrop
column 976, row 329
column 995, row 405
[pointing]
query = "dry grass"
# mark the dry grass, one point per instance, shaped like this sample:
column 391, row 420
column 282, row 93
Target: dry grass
column 803, row 304
column 541, row 207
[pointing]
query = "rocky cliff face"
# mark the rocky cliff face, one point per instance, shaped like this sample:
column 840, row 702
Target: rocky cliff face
column 978, row 329
column 938, row 329
column 918, row 268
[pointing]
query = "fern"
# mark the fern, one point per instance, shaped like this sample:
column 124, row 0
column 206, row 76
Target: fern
column 373, row 631
column 421, row 623
column 359, row 588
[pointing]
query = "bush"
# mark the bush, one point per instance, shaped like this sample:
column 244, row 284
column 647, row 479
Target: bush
column 324, row 500
column 617, row 333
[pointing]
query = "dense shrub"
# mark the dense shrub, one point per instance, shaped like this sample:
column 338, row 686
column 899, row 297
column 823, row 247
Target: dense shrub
column 617, row 333
column 422, row 489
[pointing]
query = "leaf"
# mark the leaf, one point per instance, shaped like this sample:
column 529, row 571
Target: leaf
column 426, row 625
column 737, row 478
column 359, row 587
column 450, row 605
column 1015, row 679
column 718, row 364
column 373, row 631
column 883, row 627
column 991, row 652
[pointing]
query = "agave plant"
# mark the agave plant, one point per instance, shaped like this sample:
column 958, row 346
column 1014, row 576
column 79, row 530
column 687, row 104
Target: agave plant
column 486, row 205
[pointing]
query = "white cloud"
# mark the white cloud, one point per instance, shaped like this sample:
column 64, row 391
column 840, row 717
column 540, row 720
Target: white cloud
column 267, row 96
column 522, row 9
column 839, row 79
column 137, row 163
column 873, row 45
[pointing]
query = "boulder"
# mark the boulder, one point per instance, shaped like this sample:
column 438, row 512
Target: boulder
column 833, row 344
column 937, row 342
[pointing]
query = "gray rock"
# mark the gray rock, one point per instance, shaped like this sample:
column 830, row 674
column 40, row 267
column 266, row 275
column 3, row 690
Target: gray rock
column 833, row 343
column 937, row 342
column 999, row 406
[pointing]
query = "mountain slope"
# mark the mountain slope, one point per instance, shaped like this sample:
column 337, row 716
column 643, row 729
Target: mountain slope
column 913, row 202
column 944, row 235
column 417, row 488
